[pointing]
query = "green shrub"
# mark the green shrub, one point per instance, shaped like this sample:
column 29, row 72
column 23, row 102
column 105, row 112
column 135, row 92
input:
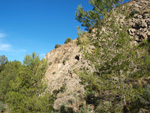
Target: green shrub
column 110, row 87
column 50, row 63
column 67, row 40
column 64, row 61
column 22, row 88
column 1, row 106
column 57, row 46
column 146, row 97
column 147, row 93
column 53, row 73
column 134, row 11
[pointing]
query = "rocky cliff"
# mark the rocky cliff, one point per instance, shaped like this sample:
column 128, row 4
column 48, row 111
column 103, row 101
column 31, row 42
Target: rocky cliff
column 64, row 60
column 140, row 23
column 60, row 73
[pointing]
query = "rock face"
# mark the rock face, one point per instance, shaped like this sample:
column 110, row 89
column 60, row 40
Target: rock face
column 64, row 60
column 140, row 23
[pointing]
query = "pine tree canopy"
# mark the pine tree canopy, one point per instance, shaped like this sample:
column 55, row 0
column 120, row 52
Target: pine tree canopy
column 92, row 18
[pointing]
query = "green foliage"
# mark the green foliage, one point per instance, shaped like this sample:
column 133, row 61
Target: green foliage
column 50, row 63
column 8, row 74
column 147, row 93
column 84, row 109
column 63, row 88
column 64, row 61
column 1, row 106
column 117, row 63
column 93, row 18
column 132, row 13
column 53, row 73
column 19, row 102
column 3, row 61
column 57, row 46
column 80, row 34
column 22, row 88
column 63, row 109
column 145, row 99
column 67, row 40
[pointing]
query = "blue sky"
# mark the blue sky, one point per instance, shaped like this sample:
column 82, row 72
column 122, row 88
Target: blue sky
column 28, row 26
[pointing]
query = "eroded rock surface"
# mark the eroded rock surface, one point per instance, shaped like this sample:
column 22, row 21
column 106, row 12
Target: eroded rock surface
column 140, row 23
column 60, row 73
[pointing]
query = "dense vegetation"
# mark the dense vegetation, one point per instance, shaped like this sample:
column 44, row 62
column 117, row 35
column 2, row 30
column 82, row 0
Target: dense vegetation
column 120, row 79
column 121, row 68
column 21, row 85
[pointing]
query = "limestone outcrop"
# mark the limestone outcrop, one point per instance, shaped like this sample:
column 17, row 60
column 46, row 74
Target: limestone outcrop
column 60, row 73
column 139, row 25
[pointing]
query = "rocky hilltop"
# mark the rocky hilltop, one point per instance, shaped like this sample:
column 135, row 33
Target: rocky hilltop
column 63, row 61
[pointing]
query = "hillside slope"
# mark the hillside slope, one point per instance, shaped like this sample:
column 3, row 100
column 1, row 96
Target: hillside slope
column 60, row 73
column 64, row 60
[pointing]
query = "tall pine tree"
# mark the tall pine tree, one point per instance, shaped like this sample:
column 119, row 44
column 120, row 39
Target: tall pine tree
column 93, row 18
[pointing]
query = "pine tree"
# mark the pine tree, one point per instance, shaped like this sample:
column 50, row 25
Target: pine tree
column 3, row 61
column 118, row 65
column 9, row 73
column 27, row 91
column 93, row 18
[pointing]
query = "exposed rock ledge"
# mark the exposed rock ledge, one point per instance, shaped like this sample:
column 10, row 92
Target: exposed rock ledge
column 62, row 62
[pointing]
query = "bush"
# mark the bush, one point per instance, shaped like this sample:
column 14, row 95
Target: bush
column 1, row 106
column 21, row 86
column 147, row 93
column 68, row 40
column 57, row 46
column 134, row 11
column 146, row 97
